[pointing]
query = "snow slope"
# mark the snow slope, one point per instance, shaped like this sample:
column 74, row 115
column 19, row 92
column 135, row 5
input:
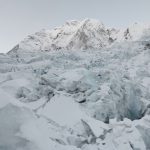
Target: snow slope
column 80, row 86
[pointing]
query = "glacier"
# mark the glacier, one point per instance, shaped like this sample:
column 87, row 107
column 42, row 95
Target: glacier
column 80, row 86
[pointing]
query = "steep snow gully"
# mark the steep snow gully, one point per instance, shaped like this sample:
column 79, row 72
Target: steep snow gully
column 80, row 86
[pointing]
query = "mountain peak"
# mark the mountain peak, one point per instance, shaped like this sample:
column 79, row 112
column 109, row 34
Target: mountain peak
column 84, row 34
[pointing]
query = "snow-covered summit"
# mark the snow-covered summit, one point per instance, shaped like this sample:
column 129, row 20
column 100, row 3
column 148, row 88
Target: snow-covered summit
column 84, row 34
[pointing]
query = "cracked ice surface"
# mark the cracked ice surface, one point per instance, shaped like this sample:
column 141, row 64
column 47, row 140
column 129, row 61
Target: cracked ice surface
column 75, row 99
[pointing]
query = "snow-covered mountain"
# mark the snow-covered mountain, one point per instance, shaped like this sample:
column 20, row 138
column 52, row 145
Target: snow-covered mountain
column 85, row 34
column 81, row 86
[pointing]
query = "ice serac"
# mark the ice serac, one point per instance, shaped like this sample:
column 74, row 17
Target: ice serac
column 80, row 86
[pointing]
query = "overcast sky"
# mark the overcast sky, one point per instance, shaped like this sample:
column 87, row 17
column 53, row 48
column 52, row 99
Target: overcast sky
column 18, row 18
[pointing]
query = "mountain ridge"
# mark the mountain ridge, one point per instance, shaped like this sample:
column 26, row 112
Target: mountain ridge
column 84, row 34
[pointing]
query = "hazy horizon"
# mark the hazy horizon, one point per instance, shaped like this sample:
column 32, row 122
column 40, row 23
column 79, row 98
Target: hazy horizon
column 21, row 18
